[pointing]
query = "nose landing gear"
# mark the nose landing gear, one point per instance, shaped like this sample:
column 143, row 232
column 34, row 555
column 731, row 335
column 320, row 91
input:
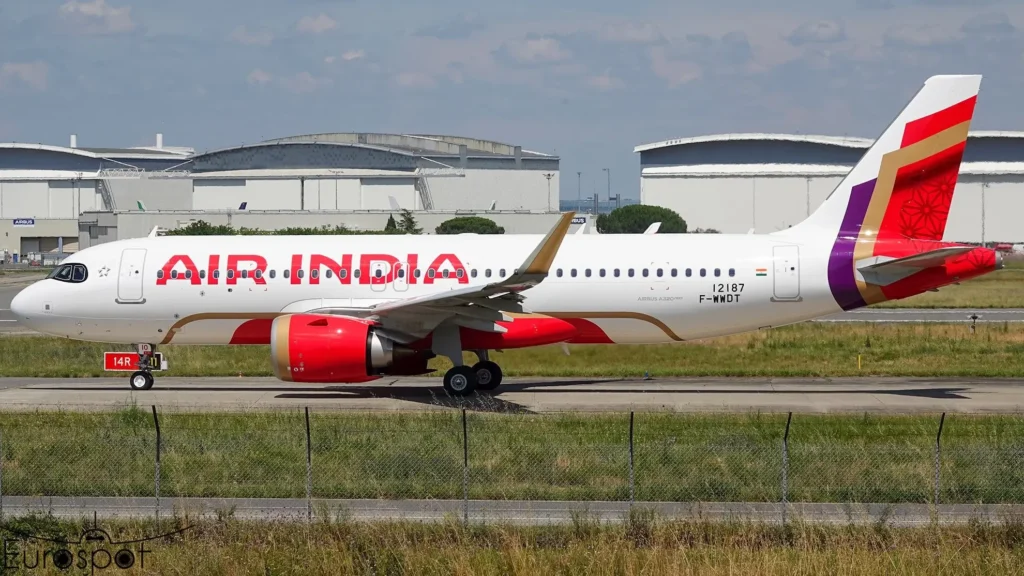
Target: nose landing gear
column 143, row 378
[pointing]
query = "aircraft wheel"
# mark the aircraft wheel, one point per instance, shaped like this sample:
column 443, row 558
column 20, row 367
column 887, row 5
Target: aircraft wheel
column 488, row 375
column 141, row 380
column 460, row 381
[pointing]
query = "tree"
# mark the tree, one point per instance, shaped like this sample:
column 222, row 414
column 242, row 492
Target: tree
column 408, row 224
column 391, row 227
column 636, row 218
column 469, row 224
column 202, row 228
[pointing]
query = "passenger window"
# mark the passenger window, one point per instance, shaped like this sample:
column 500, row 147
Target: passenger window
column 460, row 273
column 718, row 272
column 689, row 272
column 174, row 273
column 216, row 274
column 343, row 273
column 660, row 272
column 587, row 273
column 572, row 272
column 314, row 273
column 188, row 274
column 645, row 272
column 159, row 273
column 273, row 274
column 732, row 271
column 558, row 273
column 401, row 272
column 355, row 273
column 245, row 273
column 487, row 273
column 259, row 273
column 378, row 273
column 416, row 272
column 231, row 274
column 444, row 273
column 616, row 272
column 703, row 272
column 675, row 272
column 202, row 274
column 473, row 273
column 630, row 272
column 601, row 273
column 430, row 272
column 501, row 272
column 300, row 273
column 286, row 273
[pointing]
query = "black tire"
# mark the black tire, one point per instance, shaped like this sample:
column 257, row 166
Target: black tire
column 488, row 375
column 141, row 380
column 460, row 381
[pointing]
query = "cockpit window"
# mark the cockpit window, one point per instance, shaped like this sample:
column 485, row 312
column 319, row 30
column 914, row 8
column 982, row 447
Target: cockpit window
column 73, row 273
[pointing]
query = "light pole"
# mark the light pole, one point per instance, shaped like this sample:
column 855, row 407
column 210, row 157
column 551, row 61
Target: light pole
column 609, row 171
column 549, row 176
column 579, row 190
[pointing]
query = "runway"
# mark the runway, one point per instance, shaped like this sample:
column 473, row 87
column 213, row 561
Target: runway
column 807, row 395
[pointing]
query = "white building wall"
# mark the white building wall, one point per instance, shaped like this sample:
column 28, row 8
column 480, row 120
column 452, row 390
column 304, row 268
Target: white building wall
column 767, row 204
column 376, row 193
column 510, row 189
column 258, row 194
column 333, row 194
column 24, row 199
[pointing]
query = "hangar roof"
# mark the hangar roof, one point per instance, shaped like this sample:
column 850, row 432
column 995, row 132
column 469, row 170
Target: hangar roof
column 418, row 144
column 843, row 141
column 122, row 153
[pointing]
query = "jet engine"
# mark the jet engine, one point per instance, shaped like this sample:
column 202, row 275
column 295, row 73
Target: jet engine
column 338, row 349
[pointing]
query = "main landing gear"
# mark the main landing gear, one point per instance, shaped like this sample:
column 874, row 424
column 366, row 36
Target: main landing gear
column 143, row 378
column 463, row 380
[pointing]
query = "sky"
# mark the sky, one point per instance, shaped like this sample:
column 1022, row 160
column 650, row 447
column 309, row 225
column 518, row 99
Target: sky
column 584, row 79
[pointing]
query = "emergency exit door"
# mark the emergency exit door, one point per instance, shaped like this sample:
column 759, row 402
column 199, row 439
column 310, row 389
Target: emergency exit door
column 787, row 273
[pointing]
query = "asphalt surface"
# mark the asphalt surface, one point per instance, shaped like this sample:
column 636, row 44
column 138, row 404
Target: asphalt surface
column 524, row 395
column 10, row 285
column 505, row 511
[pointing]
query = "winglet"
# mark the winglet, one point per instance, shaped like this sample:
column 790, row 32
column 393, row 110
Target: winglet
column 539, row 261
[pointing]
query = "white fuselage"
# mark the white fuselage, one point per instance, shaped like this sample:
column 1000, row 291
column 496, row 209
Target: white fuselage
column 635, row 288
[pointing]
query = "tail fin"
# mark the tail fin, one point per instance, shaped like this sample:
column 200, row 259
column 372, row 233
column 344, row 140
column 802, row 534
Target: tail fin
column 903, row 186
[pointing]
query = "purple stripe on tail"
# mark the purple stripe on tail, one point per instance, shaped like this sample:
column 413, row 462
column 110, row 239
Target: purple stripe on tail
column 840, row 263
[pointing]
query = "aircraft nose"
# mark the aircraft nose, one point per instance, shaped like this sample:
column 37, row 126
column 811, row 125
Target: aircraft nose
column 21, row 303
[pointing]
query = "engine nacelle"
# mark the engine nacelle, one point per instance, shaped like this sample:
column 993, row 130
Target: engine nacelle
column 337, row 349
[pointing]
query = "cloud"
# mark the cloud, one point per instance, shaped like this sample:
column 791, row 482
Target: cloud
column 303, row 83
column 258, row 77
column 415, row 80
column 258, row 38
column 458, row 29
column 631, row 33
column 922, row 36
column 817, row 32
column 533, row 51
column 317, row 25
column 990, row 24
column 605, row 81
column 674, row 71
column 98, row 17
column 33, row 74
column 353, row 55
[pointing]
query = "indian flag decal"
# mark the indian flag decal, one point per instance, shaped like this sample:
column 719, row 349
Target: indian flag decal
column 762, row 271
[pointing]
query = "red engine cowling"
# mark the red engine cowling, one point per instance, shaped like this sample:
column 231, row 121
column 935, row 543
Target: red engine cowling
column 337, row 349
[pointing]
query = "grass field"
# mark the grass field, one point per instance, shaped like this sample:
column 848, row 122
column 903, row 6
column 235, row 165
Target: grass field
column 807, row 349
column 677, row 457
column 641, row 545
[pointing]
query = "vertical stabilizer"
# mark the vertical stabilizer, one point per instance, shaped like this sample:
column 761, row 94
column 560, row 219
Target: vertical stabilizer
column 904, row 183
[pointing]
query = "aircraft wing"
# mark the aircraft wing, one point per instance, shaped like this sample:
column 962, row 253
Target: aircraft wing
column 478, row 307
column 883, row 273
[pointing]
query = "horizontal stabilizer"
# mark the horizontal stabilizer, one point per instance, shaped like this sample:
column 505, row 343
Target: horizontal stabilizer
column 884, row 272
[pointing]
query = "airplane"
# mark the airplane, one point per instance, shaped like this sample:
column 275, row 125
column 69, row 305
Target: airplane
column 352, row 309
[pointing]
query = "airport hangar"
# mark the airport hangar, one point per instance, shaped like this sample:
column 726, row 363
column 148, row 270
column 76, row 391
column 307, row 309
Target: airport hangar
column 769, row 182
column 78, row 197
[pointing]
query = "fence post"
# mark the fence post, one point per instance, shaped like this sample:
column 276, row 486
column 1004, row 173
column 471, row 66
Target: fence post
column 1, row 478
column 785, row 468
column 156, row 466
column 309, row 470
column 631, row 470
column 938, row 459
column 465, row 470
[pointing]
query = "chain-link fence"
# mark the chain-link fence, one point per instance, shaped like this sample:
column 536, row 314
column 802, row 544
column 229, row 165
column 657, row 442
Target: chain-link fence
column 455, row 455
